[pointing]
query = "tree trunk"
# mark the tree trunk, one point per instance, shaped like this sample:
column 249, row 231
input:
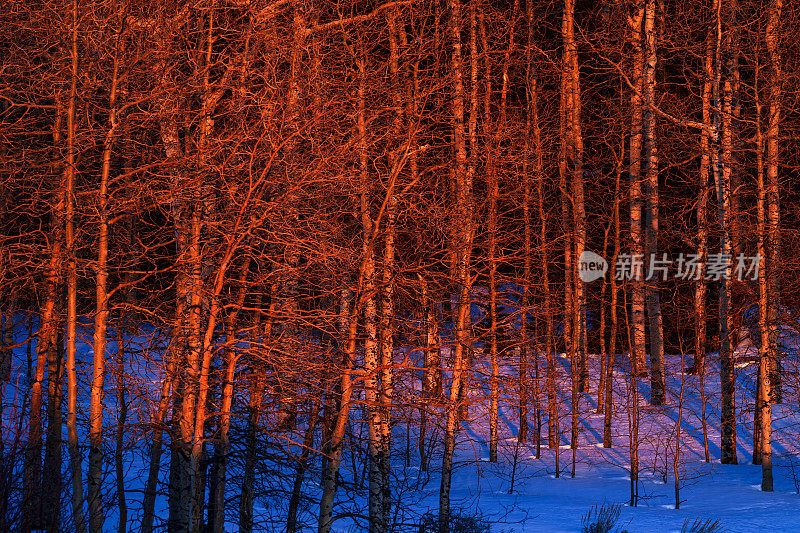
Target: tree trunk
column 259, row 331
column 700, row 286
column 95, row 475
column 612, row 345
column 425, row 387
column 579, row 211
column 772, row 36
column 372, row 385
column 205, row 299
column 387, row 360
column 532, row 123
column 722, row 182
column 769, row 288
column 7, row 340
column 7, row 470
column 493, row 434
column 302, row 467
column 46, row 345
column 149, row 499
column 633, row 422
column 217, row 523
column 179, row 481
column 330, row 475
column 574, row 154
column 566, row 226
column 494, row 194
column 463, row 221
column 204, row 391
column 638, row 348
column 533, row 111
column 677, row 458
column 387, row 324
column 76, row 460
column 248, row 479
column 122, row 416
column 657, row 392
column 763, row 411
column 565, row 145
column 51, row 475
column 433, row 360
column 601, row 385
column 765, row 407
column 366, row 301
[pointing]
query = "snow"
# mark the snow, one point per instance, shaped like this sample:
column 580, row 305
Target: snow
column 542, row 502
column 539, row 501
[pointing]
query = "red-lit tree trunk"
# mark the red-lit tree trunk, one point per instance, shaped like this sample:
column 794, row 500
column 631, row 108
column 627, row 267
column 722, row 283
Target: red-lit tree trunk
column 217, row 517
column 574, row 161
column 47, row 341
column 76, row 468
column 635, row 193
column 721, row 159
column 769, row 288
column 102, row 311
column 463, row 221
column 657, row 391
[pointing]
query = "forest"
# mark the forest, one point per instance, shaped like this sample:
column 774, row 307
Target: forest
column 423, row 266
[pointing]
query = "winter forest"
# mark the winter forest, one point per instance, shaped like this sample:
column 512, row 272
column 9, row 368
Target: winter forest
column 399, row 266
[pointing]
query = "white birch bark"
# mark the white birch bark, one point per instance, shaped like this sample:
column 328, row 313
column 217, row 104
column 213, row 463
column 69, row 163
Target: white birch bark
column 76, row 460
column 638, row 338
column 463, row 220
column 102, row 311
column 657, row 392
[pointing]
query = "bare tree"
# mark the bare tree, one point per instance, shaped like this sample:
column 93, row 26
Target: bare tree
column 657, row 392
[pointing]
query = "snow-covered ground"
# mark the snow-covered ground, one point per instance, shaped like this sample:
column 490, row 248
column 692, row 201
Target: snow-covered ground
column 539, row 501
column 730, row 493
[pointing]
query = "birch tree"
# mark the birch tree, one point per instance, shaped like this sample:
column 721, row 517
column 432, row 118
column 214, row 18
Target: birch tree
column 657, row 392
column 463, row 218
column 769, row 248
column 76, row 460
column 635, row 192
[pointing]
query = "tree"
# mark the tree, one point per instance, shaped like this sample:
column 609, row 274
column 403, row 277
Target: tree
column 463, row 219
column 657, row 394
